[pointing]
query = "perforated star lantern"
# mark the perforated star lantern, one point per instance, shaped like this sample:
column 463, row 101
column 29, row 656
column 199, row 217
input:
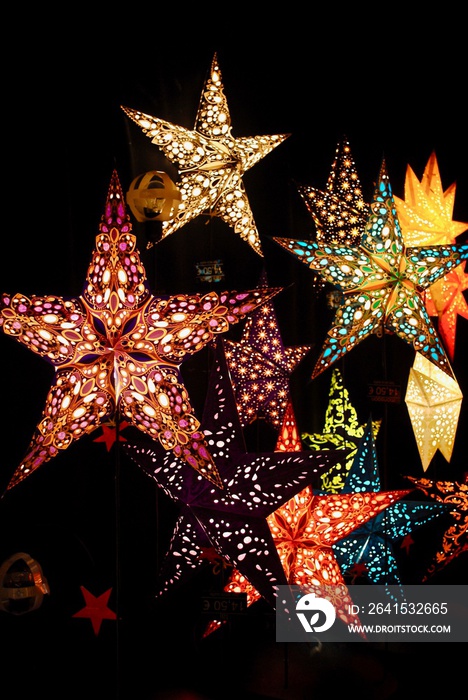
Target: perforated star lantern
column 260, row 367
column 433, row 400
column 341, row 431
column 454, row 495
column 210, row 161
column 117, row 349
column 382, row 282
column 232, row 520
column 339, row 212
column 370, row 548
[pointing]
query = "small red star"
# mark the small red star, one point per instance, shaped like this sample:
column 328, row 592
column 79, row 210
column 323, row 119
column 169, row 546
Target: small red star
column 406, row 543
column 109, row 434
column 96, row 608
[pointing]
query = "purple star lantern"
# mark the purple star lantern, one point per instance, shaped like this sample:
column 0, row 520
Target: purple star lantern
column 260, row 366
column 231, row 520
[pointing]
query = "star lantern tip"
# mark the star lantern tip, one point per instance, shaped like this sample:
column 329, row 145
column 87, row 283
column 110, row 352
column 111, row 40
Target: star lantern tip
column 210, row 161
column 117, row 349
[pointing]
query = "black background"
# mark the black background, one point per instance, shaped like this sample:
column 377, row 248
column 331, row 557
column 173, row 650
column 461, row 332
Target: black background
column 92, row 518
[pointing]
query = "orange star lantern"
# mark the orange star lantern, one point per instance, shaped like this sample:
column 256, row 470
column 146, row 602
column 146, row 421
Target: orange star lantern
column 433, row 400
column 211, row 162
column 117, row 349
column 425, row 217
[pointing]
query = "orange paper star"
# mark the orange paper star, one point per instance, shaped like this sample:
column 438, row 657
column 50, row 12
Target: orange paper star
column 426, row 219
column 96, row 608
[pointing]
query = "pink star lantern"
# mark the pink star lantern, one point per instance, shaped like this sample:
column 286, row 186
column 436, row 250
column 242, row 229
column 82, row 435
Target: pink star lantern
column 117, row 349
column 260, row 366
column 96, row 608
column 211, row 161
column 425, row 217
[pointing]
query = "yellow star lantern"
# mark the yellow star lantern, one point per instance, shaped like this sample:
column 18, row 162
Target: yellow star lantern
column 211, row 162
column 425, row 217
column 117, row 349
column 433, row 399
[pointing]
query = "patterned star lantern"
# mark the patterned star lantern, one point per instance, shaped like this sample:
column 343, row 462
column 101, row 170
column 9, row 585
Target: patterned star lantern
column 339, row 212
column 433, row 400
column 341, row 431
column 382, row 283
column 454, row 495
column 232, row 520
column 117, row 349
column 211, row 162
column 260, row 366
column 369, row 548
column 425, row 217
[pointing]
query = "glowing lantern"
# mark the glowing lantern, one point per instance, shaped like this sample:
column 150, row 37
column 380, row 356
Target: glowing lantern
column 153, row 196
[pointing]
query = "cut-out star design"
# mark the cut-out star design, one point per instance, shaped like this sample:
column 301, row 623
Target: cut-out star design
column 341, row 431
column 371, row 544
column 433, row 400
column 382, row 282
column 210, row 161
column 339, row 212
column 96, row 608
column 260, row 367
column 454, row 495
column 232, row 520
column 425, row 217
column 117, row 349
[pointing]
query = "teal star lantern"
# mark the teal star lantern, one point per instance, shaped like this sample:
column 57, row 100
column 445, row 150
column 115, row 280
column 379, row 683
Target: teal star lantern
column 381, row 281
column 370, row 547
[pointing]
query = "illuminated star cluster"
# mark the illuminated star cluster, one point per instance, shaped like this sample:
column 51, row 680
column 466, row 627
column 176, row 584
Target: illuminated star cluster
column 117, row 349
column 382, row 283
column 211, row 162
column 370, row 546
column 232, row 520
column 260, row 367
